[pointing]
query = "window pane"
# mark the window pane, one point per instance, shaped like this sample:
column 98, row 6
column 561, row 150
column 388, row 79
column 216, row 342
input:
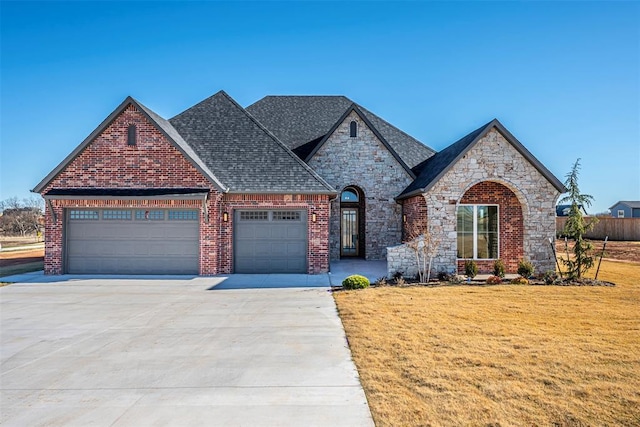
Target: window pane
column 349, row 196
column 487, row 239
column 77, row 214
column 465, row 219
column 116, row 214
column 150, row 215
column 254, row 216
column 465, row 231
column 286, row 216
column 180, row 215
column 465, row 245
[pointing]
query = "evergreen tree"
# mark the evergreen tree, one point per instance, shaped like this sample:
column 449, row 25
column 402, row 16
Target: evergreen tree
column 576, row 227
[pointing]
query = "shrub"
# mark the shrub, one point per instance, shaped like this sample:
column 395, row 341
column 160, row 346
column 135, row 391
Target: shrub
column 551, row 278
column 400, row 281
column 494, row 280
column 381, row 281
column 498, row 268
column 355, row 281
column 470, row 268
column 443, row 276
column 454, row 278
column 519, row 281
column 525, row 268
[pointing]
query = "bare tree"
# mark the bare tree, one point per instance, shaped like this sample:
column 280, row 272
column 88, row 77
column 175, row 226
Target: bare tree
column 21, row 216
column 425, row 247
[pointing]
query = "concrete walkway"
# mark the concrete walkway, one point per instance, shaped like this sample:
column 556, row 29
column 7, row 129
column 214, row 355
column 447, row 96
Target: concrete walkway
column 175, row 351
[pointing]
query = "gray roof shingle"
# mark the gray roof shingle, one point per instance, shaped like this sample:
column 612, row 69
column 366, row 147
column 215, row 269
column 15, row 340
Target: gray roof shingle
column 301, row 122
column 245, row 156
column 431, row 170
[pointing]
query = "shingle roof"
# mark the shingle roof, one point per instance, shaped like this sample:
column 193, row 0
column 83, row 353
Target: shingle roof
column 161, row 124
column 244, row 155
column 301, row 122
column 432, row 169
column 631, row 204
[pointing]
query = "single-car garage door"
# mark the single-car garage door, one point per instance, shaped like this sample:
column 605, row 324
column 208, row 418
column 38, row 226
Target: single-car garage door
column 270, row 241
column 132, row 241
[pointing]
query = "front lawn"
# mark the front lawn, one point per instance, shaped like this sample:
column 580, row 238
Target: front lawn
column 499, row 355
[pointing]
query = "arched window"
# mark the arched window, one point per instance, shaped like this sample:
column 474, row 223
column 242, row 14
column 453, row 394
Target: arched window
column 131, row 135
column 349, row 195
column 353, row 129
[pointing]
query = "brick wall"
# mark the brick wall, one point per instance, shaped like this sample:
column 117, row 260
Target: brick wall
column 414, row 213
column 317, row 232
column 109, row 162
column 511, row 225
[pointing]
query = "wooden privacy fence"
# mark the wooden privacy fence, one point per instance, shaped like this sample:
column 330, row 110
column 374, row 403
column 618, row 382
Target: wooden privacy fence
column 615, row 228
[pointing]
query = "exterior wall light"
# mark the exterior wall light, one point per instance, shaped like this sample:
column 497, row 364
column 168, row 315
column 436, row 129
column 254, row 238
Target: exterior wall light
column 314, row 217
column 225, row 217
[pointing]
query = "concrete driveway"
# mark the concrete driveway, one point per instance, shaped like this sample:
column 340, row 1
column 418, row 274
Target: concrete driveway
column 175, row 351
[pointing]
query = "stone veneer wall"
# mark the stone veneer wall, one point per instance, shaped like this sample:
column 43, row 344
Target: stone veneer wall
column 493, row 158
column 365, row 162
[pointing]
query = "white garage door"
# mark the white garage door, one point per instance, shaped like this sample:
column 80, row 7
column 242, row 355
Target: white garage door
column 270, row 241
column 132, row 241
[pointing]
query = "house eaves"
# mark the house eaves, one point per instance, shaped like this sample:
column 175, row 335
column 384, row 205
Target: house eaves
column 465, row 147
column 162, row 125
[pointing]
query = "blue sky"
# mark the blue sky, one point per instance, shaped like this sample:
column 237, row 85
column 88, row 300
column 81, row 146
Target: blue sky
column 563, row 77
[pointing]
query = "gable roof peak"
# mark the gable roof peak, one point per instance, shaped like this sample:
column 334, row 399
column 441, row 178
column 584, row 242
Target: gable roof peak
column 432, row 169
column 161, row 124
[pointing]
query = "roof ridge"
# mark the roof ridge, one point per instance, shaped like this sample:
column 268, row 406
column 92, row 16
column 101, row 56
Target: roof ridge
column 198, row 103
column 278, row 142
column 397, row 128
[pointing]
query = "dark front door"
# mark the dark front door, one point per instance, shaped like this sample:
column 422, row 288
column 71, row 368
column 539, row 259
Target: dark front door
column 349, row 236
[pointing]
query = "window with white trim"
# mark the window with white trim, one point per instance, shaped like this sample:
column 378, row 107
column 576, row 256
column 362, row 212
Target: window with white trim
column 478, row 232
column 620, row 213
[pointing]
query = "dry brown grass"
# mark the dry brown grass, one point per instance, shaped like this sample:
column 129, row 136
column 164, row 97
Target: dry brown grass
column 500, row 355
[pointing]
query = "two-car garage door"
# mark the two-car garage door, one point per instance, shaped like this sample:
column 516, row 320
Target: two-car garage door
column 132, row 241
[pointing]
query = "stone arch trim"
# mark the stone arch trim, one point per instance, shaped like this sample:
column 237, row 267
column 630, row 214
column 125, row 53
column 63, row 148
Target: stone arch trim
column 511, row 221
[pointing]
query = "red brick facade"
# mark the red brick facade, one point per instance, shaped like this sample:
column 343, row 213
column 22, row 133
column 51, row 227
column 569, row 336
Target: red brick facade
column 511, row 223
column 414, row 212
column 109, row 162
column 318, row 231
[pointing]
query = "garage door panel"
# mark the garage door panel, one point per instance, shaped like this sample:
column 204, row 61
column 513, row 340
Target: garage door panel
column 132, row 246
column 271, row 244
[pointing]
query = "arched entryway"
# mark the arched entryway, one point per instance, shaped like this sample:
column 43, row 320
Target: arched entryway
column 352, row 222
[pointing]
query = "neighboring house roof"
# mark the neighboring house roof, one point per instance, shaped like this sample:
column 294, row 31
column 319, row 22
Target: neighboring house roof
column 301, row 122
column 564, row 210
column 432, row 169
column 246, row 157
column 632, row 204
column 161, row 124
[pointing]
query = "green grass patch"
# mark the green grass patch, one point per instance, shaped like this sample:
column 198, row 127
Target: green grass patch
column 22, row 268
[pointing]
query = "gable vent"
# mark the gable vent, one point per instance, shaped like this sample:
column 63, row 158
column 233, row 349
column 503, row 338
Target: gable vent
column 131, row 135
